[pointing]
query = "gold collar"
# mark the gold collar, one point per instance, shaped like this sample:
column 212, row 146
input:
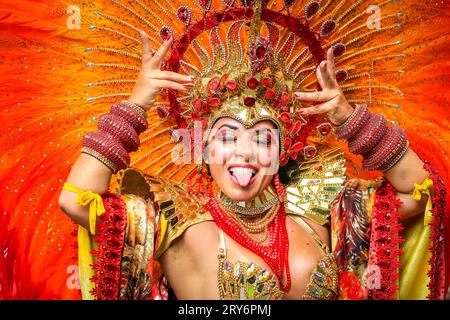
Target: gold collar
column 258, row 205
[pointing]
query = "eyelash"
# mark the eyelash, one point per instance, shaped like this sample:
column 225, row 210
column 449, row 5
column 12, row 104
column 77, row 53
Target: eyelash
column 226, row 138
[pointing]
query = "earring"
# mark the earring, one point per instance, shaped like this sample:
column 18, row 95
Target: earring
column 279, row 188
column 200, row 185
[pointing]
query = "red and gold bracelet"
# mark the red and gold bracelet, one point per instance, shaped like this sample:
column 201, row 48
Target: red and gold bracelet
column 369, row 135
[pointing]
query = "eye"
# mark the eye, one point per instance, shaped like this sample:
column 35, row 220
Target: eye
column 264, row 138
column 227, row 136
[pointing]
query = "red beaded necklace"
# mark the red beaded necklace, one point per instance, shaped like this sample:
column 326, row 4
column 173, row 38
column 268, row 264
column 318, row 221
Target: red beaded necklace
column 276, row 253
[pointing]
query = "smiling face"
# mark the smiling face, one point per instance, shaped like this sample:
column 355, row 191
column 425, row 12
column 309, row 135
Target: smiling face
column 243, row 161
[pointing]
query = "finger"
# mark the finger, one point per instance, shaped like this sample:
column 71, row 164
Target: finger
column 325, row 95
column 146, row 49
column 331, row 64
column 319, row 75
column 317, row 109
column 159, row 56
column 171, row 76
column 326, row 77
column 167, row 84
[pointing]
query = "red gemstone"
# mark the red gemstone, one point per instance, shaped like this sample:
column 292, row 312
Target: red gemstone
column 252, row 83
column 267, row 82
column 338, row 50
column 327, row 28
column 309, row 151
column 288, row 3
column 260, row 51
column 184, row 14
column 341, row 75
column 285, row 117
column 214, row 101
column 285, row 98
column 249, row 101
column 232, row 85
column 198, row 105
column 165, row 33
column 311, row 9
column 270, row 95
column 324, row 129
column 206, row 4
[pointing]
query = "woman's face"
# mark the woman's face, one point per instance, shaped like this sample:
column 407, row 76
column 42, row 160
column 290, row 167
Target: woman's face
column 243, row 161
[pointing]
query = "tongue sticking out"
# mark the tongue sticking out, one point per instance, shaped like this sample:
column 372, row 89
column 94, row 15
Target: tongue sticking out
column 242, row 177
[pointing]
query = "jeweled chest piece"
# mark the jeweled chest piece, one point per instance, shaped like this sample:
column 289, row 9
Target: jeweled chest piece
column 261, row 203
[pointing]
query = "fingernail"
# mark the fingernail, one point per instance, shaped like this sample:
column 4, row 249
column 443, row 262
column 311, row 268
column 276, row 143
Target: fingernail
column 301, row 111
column 297, row 95
column 187, row 87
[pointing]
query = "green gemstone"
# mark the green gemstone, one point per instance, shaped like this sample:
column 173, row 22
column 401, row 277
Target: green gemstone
column 250, row 292
column 260, row 287
column 251, row 280
column 241, row 279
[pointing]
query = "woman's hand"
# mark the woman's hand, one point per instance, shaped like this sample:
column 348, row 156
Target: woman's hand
column 151, row 80
column 333, row 100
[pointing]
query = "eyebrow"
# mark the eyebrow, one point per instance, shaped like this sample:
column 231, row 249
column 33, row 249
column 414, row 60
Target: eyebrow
column 229, row 126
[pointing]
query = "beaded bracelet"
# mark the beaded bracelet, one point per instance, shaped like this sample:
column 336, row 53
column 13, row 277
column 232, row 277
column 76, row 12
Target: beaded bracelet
column 354, row 123
column 369, row 136
column 108, row 147
column 99, row 157
column 136, row 119
column 121, row 130
column 389, row 148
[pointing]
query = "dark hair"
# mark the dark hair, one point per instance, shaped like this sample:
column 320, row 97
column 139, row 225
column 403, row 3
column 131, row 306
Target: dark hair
column 289, row 172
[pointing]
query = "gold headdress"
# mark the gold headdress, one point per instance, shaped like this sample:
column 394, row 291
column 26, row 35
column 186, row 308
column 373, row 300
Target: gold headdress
column 248, row 58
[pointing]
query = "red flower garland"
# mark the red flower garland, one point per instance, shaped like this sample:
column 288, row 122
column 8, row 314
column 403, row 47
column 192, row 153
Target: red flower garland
column 436, row 285
column 110, row 236
column 385, row 240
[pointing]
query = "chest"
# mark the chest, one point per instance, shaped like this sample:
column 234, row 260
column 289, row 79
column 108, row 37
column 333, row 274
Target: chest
column 195, row 251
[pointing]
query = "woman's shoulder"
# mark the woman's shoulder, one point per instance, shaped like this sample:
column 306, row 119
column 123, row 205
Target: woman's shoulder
column 175, row 209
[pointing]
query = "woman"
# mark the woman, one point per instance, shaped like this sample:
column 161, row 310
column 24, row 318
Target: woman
column 235, row 230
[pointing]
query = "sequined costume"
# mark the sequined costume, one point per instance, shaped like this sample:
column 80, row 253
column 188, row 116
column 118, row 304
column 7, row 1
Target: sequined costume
column 149, row 205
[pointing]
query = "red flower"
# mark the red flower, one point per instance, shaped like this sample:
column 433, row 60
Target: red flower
column 285, row 117
column 296, row 128
column 290, row 150
column 285, row 98
column 213, row 101
column 214, row 84
column 350, row 286
column 198, row 105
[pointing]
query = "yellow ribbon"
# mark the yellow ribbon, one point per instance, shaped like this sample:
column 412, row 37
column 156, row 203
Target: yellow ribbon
column 417, row 195
column 94, row 200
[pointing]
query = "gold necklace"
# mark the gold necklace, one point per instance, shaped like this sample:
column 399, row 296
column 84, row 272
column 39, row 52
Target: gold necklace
column 257, row 206
column 253, row 227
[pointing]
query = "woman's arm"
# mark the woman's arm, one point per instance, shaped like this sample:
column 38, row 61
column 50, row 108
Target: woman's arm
column 404, row 174
column 90, row 174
